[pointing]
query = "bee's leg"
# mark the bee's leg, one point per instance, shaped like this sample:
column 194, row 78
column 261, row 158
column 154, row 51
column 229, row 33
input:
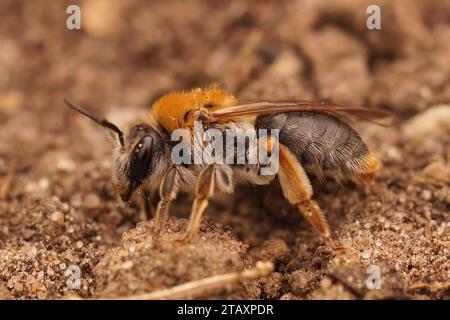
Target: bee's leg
column 203, row 190
column 148, row 206
column 298, row 191
column 168, row 191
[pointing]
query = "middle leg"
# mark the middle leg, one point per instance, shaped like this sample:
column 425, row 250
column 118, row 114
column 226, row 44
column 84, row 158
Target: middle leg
column 203, row 190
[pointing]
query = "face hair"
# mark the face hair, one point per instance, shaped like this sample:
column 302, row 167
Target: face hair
column 103, row 122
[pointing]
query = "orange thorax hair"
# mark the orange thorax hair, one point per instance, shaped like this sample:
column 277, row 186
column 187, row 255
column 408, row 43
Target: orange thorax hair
column 170, row 110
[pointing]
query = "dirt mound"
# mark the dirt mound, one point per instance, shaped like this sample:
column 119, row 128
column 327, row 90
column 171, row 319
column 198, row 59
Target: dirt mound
column 146, row 262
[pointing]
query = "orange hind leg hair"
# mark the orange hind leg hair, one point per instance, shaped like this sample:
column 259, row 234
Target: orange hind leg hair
column 298, row 191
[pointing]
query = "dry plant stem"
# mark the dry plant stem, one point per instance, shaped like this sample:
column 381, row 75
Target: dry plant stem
column 195, row 288
column 433, row 287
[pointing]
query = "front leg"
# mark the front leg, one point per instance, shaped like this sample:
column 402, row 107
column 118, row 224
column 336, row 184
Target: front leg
column 204, row 189
column 148, row 207
column 168, row 191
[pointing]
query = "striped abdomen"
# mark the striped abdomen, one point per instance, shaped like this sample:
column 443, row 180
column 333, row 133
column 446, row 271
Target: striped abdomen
column 325, row 146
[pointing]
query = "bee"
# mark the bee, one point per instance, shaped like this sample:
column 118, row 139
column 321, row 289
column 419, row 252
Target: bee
column 314, row 139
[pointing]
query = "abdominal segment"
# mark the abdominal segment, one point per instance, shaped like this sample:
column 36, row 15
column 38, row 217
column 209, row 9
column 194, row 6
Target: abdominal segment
column 325, row 146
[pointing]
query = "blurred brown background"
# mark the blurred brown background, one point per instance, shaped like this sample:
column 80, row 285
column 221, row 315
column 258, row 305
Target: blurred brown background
column 56, row 196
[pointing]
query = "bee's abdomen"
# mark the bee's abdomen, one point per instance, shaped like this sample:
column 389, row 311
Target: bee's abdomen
column 325, row 146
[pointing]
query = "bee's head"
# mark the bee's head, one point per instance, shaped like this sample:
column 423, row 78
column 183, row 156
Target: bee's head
column 138, row 159
column 138, row 154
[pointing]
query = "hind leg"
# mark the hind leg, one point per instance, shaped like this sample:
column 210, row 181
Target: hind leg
column 298, row 191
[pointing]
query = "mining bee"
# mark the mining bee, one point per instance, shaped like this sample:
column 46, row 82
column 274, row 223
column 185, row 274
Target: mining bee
column 314, row 139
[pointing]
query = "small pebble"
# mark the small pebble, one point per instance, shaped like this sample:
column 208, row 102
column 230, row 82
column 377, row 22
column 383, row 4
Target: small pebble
column 65, row 207
column 18, row 286
column 65, row 164
column 76, row 201
column 127, row 265
column 92, row 201
column 426, row 195
column 11, row 282
column 325, row 283
column 57, row 217
column 44, row 184
column 366, row 254
column 42, row 293
column 50, row 271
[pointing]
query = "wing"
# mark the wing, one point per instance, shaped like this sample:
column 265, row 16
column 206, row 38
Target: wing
column 269, row 107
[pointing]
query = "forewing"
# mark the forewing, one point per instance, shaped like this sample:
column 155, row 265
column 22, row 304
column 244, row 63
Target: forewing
column 270, row 107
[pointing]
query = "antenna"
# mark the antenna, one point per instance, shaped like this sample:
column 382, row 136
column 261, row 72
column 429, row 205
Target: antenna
column 103, row 122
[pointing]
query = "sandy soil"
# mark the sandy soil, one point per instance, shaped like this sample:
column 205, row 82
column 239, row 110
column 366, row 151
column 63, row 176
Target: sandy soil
column 59, row 209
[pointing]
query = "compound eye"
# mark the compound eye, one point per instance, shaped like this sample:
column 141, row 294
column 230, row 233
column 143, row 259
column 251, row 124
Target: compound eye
column 135, row 131
column 141, row 160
